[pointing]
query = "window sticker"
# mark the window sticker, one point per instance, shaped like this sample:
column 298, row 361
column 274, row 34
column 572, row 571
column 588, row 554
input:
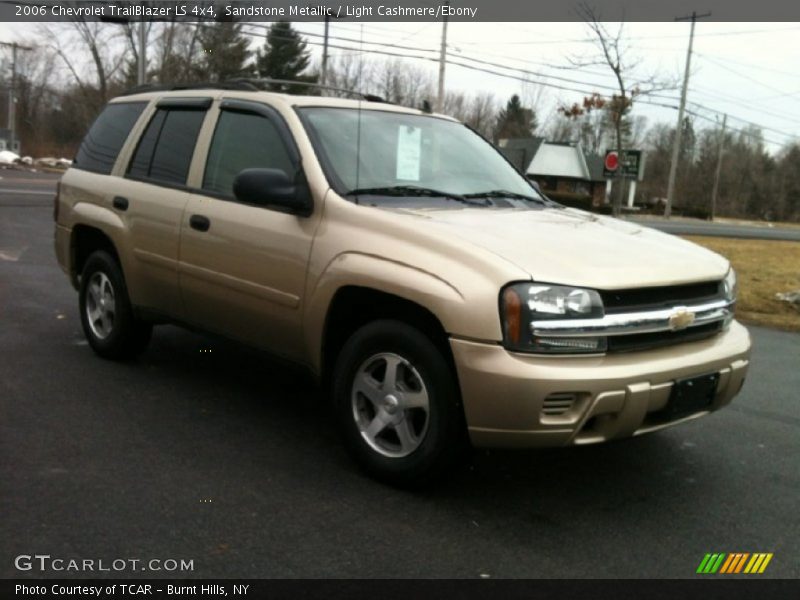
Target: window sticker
column 409, row 151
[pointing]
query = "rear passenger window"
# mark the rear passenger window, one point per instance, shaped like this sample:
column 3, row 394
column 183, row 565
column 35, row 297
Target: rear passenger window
column 165, row 150
column 243, row 141
column 105, row 139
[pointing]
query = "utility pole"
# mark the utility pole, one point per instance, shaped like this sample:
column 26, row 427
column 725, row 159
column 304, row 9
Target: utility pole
column 676, row 146
column 442, row 61
column 12, row 90
column 719, row 167
column 324, row 75
column 141, row 67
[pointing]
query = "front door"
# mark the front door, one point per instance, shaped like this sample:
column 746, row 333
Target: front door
column 242, row 268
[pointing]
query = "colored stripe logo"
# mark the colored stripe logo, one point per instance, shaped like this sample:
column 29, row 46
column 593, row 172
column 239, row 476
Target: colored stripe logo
column 735, row 562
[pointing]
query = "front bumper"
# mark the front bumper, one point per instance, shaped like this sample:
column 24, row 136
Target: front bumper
column 506, row 395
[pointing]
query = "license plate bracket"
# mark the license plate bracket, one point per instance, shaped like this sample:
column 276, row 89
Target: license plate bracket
column 692, row 395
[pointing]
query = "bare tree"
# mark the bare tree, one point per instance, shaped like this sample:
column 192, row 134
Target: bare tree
column 73, row 41
column 587, row 122
column 400, row 82
column 345, row 71
column 482, row 114
column 175, row 50
column 614, row 54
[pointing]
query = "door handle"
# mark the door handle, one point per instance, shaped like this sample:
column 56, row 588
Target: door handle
column 199, row 222
column 120, row 203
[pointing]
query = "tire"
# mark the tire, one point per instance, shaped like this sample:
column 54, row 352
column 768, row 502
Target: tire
column 407, row 434
column 112, row 331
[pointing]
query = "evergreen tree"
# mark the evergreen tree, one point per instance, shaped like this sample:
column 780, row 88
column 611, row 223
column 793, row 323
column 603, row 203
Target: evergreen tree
column 225, row 52
column 285, row 56
column 515, row 121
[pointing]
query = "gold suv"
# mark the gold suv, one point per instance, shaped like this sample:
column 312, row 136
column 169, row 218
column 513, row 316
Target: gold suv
column 432, row 289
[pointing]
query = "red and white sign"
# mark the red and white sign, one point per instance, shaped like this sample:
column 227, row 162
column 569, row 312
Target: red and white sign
column 612, row 161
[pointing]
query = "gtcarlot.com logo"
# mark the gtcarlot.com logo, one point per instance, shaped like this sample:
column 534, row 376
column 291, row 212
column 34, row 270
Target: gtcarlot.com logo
column 723, row 563
column 45, row 562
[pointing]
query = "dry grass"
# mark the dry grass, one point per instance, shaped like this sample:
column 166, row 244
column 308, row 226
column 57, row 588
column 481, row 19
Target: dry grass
column 764, row 268
column 776, row 224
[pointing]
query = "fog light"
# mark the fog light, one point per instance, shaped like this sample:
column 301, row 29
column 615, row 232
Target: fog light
column 569, row 344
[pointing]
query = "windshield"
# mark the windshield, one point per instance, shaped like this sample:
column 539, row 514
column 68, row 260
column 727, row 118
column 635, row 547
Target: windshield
column 378, row 152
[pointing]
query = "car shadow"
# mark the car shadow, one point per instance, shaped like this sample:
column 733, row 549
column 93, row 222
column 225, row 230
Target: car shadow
column 274, row 407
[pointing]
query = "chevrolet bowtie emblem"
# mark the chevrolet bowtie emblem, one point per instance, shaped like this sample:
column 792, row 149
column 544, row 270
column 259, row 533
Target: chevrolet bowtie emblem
column 680, row 319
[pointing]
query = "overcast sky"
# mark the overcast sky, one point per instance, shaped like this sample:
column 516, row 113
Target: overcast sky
column 747, row 70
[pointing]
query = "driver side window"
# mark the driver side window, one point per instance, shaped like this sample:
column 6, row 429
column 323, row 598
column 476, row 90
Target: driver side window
column 241, row 141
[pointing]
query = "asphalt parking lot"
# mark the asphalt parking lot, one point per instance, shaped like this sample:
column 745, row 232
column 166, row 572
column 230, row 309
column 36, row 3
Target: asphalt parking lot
column 208, row 451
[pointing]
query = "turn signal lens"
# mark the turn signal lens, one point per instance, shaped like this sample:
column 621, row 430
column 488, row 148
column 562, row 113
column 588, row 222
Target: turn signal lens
column 512, row 315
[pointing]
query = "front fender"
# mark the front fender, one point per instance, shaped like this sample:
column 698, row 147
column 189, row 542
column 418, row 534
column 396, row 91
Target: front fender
column 444, row 300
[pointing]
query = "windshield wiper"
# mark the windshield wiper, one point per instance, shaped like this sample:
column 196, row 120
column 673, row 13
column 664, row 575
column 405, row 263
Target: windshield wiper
column 414, row 190
column 507, row 194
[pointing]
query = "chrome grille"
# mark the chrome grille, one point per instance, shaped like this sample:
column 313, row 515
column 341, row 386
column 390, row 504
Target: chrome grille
column 645, row 318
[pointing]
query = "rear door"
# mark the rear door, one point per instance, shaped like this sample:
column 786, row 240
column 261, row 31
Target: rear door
column 243, row 267
column 152, row 197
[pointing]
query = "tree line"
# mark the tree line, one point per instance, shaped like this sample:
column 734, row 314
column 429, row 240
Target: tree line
column 59, row 92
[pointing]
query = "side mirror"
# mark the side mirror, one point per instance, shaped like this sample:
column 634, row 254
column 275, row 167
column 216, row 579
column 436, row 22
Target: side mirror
column 272, row 187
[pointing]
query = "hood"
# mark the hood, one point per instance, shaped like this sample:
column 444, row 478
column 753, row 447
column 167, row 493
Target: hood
column 573, row 247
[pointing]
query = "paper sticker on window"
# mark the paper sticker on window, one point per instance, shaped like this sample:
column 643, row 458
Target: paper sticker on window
column 409, row 151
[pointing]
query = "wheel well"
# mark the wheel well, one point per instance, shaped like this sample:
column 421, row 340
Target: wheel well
column 353, row 307
column 85, row 240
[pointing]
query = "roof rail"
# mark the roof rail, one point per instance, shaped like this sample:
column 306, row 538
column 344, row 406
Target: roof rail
column 246, row 84
column 239, row 85
column 263, row 83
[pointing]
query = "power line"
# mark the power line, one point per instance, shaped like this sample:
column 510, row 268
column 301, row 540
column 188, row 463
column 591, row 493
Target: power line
column 584, row 91
column 749, row 65
column 630, row 38
column 743, row 76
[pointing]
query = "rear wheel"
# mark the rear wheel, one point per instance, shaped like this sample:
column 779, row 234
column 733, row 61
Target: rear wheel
column 106, row 314
column 397, row 404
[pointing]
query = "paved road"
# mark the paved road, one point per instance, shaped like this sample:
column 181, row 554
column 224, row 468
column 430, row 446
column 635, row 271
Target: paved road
column 207, row 451
column 716, row 229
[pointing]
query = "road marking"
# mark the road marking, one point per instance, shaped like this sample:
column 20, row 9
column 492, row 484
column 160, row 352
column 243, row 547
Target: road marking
column 12, row 255
column 36, row 192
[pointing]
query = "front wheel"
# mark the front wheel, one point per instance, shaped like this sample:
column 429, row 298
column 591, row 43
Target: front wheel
column 397, row 403
column 108, row 321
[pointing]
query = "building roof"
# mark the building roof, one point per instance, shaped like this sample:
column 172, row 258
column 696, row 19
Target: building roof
column 595, row 164
column 559, row 160
column 520, row 151
column 538, row 157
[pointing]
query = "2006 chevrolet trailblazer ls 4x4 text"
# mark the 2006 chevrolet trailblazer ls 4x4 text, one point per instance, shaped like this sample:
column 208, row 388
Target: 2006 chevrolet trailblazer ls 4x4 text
column 434, row 291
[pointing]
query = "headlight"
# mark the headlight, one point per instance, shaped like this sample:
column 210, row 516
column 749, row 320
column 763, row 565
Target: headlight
column 523, row 303
column 730, row 286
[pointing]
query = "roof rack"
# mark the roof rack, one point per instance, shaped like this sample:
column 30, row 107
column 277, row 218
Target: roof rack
column 263, row 83
column 245, row 84
column 238, row 85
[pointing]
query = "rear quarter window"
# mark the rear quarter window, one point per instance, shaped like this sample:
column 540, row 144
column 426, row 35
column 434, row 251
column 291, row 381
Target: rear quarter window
column 165, row 150
column 107, row 135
